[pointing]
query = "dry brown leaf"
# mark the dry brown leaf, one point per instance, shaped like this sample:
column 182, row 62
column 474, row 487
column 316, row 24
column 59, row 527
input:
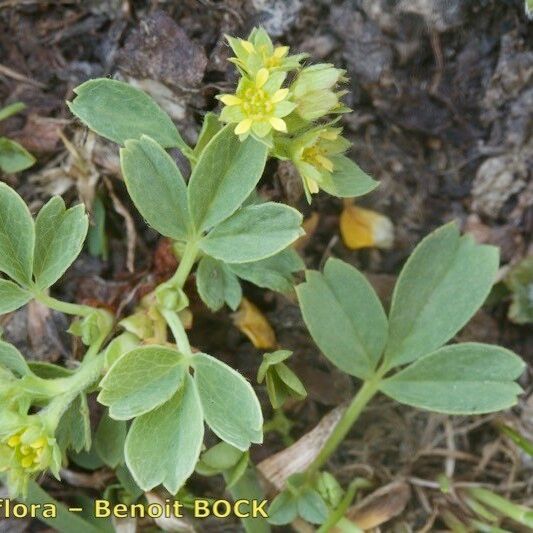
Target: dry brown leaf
column 364, row 228
column 254, row 325
column 296, row 458
column 380, row 506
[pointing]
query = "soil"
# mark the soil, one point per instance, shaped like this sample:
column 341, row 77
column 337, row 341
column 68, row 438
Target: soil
column 442, row 93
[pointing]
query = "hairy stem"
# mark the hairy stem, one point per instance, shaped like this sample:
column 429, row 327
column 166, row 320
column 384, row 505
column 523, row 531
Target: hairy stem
column 186, row 263
column 63, row 307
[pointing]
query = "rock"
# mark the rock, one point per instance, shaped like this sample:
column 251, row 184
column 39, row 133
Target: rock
column 158, row 49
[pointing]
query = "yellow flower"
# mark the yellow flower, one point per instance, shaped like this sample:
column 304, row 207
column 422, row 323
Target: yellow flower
column 315, row 155
column 258, row 106
column 258, row 52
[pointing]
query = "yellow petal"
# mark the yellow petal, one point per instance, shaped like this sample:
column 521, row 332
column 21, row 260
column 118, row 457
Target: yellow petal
column 329, row 135
column 261, row 77
column 254, row 325
column 248, row 46
column 325, row 162
column 243, row 126
column 364, row 228
column 26, row 462
column 13, row 441
column 39, row 443
column 281, row 51
column 230, row 99
column 279, row 95
column 278, row 124
column 312, row 185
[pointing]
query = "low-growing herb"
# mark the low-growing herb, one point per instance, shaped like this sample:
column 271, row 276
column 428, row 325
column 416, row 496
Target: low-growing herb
column 159, row 392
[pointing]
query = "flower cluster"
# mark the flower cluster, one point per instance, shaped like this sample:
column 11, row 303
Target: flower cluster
column 286, row 105
column 27, row 447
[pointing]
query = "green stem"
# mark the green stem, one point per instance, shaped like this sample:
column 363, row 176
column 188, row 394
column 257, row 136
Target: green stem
column 63, row 307
column 186, row 263
column 180, row 335
column 359, row 402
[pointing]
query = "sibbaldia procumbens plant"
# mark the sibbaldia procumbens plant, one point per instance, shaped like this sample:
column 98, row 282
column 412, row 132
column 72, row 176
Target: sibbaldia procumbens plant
column 159, row 392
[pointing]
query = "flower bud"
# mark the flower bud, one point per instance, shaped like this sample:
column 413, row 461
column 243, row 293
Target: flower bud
column 92, row 327
column 313, row 91
column 258, row 52
column 171, row 298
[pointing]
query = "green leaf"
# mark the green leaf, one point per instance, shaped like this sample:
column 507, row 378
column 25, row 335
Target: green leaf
column 12, row 297
column 253, row 233
column 141, row 380
column 345, row 317
column 13, row 360
column 210, row 127
column 11, row 109
column 14, row 157
column 274, row 273
column 74, row 429
column 163, row 446
column 347, row 179
column 283, row 509
column 311, row 506
column 222, row 456
column 461, row 379
column 59, row 237
column 217, row 284
column 229, row 403
column 65, row 521
column 156, row 187
column 225, row 175
column 443, row 283
column 118, row 111
column 109, row 440
column 97, row 242
column 17, row 236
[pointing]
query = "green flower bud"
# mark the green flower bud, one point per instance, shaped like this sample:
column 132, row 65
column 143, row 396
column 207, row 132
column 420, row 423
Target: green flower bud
column 93, row 326
column 313, row 91
column 171, row 298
